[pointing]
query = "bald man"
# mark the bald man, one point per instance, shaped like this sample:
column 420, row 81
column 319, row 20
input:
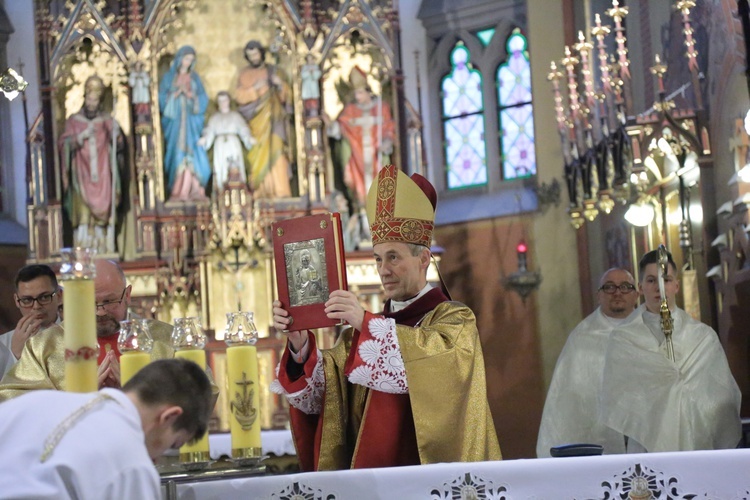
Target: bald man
column 42, row 361
column 571, row 411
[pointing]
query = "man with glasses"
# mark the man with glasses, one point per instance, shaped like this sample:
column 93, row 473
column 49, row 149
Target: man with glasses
column 655, row 404
column 38, row 297
column 42, row 363
column 570, row 412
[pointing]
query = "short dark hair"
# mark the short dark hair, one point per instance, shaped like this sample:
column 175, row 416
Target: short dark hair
column 254, row 44
column 652, row 257
column 177, row 382
column 34, row 271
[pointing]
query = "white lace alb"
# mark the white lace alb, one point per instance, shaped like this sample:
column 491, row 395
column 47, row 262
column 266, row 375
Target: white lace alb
column 310, row 399
column 384, row 367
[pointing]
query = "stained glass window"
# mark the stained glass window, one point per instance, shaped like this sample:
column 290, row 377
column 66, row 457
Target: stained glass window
column 463, row 122
column 516, row 110
column 485, row 36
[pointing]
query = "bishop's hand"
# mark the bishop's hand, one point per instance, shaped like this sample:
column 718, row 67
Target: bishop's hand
column 344, row 305
column 282, row 321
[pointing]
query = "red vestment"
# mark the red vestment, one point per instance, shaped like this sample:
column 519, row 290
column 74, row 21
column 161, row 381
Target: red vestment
column 386, row 434
column 87, row 168
column 366, row 128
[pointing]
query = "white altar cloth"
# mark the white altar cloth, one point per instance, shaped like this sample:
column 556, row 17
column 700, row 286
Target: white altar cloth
column 716, row 475
column 277, row 442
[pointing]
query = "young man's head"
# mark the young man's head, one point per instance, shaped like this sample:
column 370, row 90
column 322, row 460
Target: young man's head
column 648, row 273
column 173, row 397
column 617, row 293
column 37, row 293
column 112, row 297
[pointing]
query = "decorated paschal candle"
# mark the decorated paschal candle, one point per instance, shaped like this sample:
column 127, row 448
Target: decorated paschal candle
column 243, row 384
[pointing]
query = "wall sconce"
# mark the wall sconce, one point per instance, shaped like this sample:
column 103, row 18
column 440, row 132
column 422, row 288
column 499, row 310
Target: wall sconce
column 11, row 83
column 641, row 213
column 523, row 281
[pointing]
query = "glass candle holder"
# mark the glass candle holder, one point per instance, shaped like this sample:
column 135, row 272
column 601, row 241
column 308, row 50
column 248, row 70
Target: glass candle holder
column 188, row 340
column 240, row 329
column 77, row 263
column 188, row 334
column 77, row 273
column 134, row 344
column 244, row 387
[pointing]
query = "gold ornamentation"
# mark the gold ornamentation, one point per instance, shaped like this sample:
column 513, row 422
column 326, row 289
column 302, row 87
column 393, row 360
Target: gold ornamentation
column 386, row 188
column 242, row 405
column 59, row 432
column 279, row 232
column 411, row 230
column 323, row 224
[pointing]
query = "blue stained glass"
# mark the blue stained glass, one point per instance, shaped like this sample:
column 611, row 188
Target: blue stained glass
column 463, row 122
column 519, row 154
column 485, row 36
column 516, row 112
column 465, row 151
column 462, row 88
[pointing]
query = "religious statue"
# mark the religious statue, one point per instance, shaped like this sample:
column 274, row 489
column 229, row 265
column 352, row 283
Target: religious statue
column 91, row 156
column 350, row 225
column 139, row 81
column 307, row 280
column 183, row 102
column 226, row 131
column 262, row 97
column 310, row 75
column 366, row 127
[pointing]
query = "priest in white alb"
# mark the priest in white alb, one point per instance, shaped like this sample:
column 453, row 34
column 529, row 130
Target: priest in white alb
column 654, row 403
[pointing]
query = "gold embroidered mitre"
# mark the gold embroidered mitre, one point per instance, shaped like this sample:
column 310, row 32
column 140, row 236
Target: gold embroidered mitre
column 400, row 208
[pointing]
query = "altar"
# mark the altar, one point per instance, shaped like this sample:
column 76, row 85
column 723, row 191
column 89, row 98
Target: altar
column 699, row 474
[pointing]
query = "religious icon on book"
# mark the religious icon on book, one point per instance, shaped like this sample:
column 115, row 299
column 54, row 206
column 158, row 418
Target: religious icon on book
column 303, row 261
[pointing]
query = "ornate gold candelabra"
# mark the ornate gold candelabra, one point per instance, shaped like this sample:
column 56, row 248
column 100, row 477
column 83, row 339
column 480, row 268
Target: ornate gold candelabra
column 606, row 147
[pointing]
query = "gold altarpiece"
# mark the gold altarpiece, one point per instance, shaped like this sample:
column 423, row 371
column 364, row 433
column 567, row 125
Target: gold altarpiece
column 210, row 255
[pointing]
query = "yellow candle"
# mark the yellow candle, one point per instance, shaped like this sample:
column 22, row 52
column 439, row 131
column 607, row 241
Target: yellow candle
column 131, row 362
column 197, row 356
column 242, row 379
column 199, row 450
column 79, row 308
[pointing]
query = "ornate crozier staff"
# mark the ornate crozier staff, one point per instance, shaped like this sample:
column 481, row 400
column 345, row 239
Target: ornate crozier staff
column 667, row 323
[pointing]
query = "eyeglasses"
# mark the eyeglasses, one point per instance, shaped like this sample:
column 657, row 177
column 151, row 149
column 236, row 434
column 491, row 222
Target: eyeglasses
column 108, row 305
column 611, row 288
column 43, row 300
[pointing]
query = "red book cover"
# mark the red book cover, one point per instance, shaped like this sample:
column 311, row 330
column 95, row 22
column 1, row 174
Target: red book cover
column 309, row 257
